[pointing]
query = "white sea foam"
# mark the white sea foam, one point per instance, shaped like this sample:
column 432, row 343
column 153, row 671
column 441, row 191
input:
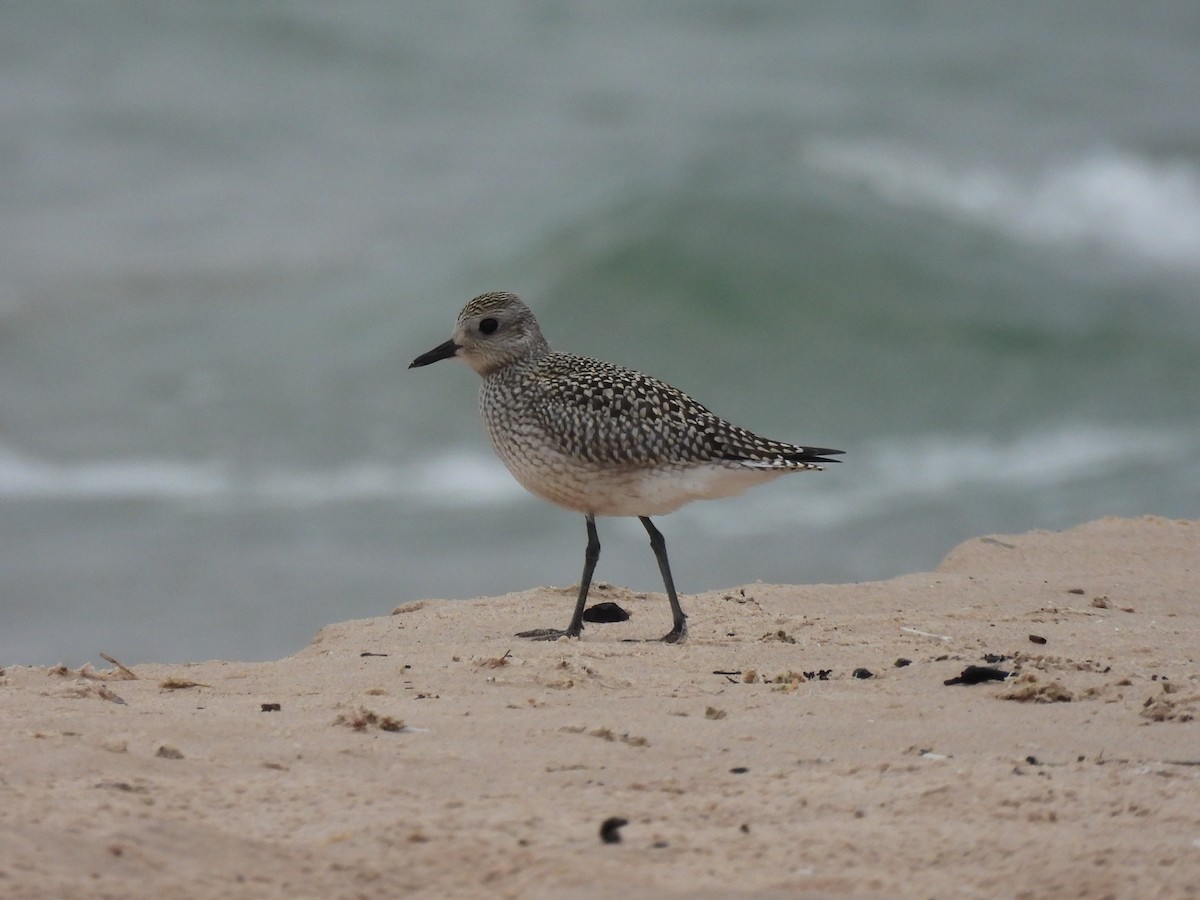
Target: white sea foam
column 23, row 477
column 1115, row 200
column 456, row 479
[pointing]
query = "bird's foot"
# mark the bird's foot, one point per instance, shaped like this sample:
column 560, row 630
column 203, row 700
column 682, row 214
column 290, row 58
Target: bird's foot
column 676, row 635
column 545, row 634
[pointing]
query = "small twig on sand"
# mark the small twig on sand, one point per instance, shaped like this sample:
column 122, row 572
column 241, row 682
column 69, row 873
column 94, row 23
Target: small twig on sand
column 928, row 634
column 128, row 673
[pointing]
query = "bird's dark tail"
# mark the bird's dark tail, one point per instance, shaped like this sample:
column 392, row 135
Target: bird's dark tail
column 813, row 455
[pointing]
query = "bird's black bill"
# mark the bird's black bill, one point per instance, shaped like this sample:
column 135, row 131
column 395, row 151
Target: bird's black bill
column 443, row 351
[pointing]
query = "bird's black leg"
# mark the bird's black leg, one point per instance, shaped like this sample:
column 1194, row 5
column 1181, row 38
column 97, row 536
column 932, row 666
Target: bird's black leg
column 590, row 556
column 678, row 620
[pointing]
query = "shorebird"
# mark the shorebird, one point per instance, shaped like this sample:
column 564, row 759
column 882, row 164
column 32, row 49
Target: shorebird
column 601, row 439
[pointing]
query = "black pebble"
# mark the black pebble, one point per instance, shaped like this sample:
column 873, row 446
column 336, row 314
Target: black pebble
column 610, row 829
column 902, row 662
column 863, row 673
column 605, row 612
column 271, row 707
column 739, row 770
column 978, row 675
column 995, row 657
column 1037, row 639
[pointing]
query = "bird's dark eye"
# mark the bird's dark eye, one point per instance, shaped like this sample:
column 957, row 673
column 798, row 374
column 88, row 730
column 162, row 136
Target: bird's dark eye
column 488, row 325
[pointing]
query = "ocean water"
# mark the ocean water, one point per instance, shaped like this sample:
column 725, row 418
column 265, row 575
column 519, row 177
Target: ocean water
column 959, row 241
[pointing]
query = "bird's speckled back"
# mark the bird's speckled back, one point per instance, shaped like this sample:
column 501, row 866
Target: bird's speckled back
column 534, row 400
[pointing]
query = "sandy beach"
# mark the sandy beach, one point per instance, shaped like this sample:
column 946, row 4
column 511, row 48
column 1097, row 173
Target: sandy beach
column 802, row 743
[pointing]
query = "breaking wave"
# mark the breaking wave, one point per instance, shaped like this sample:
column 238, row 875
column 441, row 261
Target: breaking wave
column 1110, row 199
